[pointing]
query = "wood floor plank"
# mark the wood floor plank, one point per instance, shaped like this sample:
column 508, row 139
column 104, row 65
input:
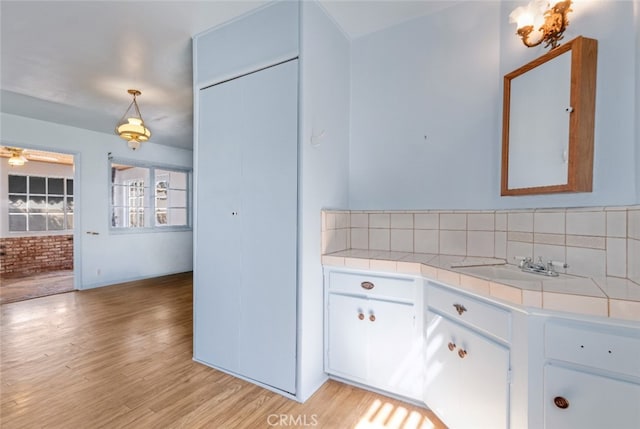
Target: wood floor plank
column 121, row 357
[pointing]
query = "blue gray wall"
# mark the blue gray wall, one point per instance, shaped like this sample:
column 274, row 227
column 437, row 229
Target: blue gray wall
column 613, row 25
column 105, row 258
column 324, row 157
column 426, row 109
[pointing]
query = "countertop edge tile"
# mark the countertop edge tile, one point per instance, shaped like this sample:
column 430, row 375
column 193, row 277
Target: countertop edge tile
column 549, row 298
column 580, row 304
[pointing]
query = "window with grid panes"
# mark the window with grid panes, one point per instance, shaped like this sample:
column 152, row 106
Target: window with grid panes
column 149, row 197
column 40, row 203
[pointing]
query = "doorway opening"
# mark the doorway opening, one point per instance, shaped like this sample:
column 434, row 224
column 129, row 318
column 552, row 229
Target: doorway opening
column 37, row 226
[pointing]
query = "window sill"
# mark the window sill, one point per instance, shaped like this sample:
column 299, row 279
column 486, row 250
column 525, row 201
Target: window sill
column 117, row 231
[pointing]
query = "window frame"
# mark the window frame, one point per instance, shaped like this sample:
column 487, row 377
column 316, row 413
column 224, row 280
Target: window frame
column 150, row 207
column 68, row 215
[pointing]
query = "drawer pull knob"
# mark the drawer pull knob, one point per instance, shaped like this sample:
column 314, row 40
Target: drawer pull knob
column 561, row 402
column 367, row 285
column 460, row 308
column 361, row 316
column 462, row 353
column 372, row 318
column 451, row 346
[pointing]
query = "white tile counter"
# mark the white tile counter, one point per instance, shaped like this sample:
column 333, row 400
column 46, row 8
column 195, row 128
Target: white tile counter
column 606, row 297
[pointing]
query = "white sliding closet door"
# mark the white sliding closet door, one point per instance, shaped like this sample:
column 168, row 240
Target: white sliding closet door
column 246, row 233
column 217, row 270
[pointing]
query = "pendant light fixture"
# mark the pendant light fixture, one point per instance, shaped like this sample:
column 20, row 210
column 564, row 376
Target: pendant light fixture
column 131, row 127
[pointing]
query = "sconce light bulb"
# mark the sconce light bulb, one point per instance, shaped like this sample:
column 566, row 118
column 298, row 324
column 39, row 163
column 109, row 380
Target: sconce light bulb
column 539, row 22
column 523, row 19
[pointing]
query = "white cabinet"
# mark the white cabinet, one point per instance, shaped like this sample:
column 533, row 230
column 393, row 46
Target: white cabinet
column 483, row 364
column 591, row 376
column 245, row 268
column 260, row 314
column 372, row 337
column 583, row 400
column 467, row 370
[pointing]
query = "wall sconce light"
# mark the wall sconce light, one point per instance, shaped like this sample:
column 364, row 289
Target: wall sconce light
column 540, row 22
column 132, row 128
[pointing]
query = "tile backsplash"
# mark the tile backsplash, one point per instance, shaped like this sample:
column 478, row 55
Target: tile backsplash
column 594, row 241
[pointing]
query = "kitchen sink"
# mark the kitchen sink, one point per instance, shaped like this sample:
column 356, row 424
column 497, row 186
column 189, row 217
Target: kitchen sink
column 503, row 272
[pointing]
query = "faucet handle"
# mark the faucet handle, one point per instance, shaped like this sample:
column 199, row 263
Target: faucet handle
column 522, row 260
column 559, row 264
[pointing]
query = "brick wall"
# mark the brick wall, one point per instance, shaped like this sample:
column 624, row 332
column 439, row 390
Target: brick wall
column 36, row 254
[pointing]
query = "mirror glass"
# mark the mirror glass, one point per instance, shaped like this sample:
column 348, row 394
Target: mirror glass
column 539, row 125
column 548, row 122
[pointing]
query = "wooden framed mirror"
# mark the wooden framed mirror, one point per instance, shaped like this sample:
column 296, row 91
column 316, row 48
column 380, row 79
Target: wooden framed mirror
column 548, row 122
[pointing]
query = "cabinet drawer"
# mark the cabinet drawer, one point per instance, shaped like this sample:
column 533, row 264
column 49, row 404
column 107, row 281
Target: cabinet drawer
column 373, row 285
column 484, row 316
column 594, row 345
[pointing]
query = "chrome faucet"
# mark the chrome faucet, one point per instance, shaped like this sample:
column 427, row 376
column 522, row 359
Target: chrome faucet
column 547, row 269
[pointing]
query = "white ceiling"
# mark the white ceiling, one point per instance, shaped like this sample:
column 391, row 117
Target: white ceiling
column 71, row 62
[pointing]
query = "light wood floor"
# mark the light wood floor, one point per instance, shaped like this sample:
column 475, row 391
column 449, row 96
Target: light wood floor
column 121, row 356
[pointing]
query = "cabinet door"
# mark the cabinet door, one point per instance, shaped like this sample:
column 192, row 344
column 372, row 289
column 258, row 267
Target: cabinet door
column 394, row 348
column 466, row 376
column 217, row 263
column 375, row 342
column 592, row 401
column 246, row 226
column 347, row 337
column 269, row 226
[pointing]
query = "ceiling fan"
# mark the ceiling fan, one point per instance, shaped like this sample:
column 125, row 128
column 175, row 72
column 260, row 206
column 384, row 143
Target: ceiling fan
column 16, row 156
column 19, row 156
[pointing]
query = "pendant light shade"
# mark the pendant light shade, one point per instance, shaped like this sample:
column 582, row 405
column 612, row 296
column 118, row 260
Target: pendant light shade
column 131, row 126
